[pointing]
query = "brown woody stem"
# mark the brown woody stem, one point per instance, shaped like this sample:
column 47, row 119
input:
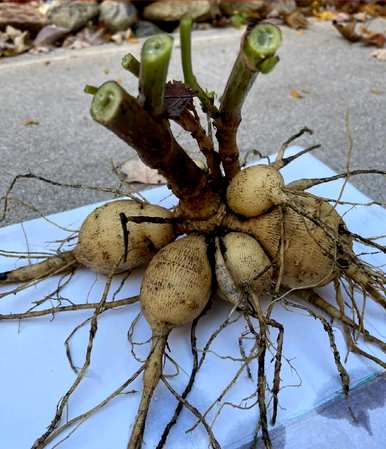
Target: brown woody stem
column 189, row 123
column 118, row 111
column 256, row 55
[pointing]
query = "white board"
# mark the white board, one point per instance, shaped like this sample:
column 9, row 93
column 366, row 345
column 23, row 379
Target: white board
column 35, row 372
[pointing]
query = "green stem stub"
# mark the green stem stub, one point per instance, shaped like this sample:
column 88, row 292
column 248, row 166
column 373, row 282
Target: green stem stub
column 155, row 57
column 106, row 102
column 91, row 90
column 186, row 58
column 261, row 42
column 131, row 63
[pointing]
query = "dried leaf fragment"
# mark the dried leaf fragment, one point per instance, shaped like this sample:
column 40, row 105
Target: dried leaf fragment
column 325, row 15
column 379, row 54
column 178, row 97
column 373, row 38
column 13, row 41
column 296, row 94
column 135, row 171
column 295, row 20
column 30, row 121
column 348, row 31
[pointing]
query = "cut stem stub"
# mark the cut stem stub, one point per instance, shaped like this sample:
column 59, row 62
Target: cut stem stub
column 118, row 111
column 257, row 54
column 155, row 57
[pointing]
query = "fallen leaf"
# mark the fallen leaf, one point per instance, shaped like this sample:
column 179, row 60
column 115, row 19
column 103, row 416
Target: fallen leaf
column 376, row 91
column 30, row 121
column 135, row 171
column 379, row 54
column 14, row 41
column 372, row 9
column 325, row 15
column 121, row 36
column 296, row 94
column 178, row 97
column 132, row 39
column 296, row 20
column 373, row 38
column 360, row 16
column 342, row 17
column 348, row 31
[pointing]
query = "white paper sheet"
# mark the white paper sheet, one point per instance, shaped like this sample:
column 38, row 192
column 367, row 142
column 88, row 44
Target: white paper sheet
column 35, row 372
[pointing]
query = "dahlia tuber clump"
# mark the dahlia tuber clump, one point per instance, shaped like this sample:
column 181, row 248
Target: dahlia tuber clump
column 246, row 237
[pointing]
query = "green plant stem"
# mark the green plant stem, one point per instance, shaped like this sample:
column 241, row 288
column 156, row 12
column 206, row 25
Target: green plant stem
column 131, row 64
column 155, row 57
column 187, row 67
column 91, row 90
column 256, row 55
column 118, row 111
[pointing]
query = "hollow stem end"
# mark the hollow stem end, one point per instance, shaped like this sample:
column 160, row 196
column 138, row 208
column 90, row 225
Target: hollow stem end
column 106, row 102
column 262, row 42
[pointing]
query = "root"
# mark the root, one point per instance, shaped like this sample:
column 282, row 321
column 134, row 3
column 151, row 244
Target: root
column 188, row 388
column 313, row 298
column 213, row 442
column 344, row 376
column 152, row 375
column 368, row 280
column 280, row 161
column 305, row 184
column 261, row 384
column 41, row 442
column 54, row 310
column 80, row 419
column 278, row 363
column 15, row 180
column 59, row 263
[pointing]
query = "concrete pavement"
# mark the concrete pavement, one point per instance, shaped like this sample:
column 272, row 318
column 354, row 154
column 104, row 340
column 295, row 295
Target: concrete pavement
column 332, row 75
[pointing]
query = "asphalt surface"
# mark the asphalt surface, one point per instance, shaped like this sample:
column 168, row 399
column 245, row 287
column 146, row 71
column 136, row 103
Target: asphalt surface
column 333, row 77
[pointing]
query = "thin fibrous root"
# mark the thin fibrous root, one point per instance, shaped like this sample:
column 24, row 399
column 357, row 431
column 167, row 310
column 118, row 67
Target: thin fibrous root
column 305, row 184
column 313, row 298
column 278, row 363
column 59, row 263
column 279, row 162
column 362, row 278
column 41, row 442
column 54, row 310
column 214, row 443
column 344, row 376
column 113, row 191
column 84, row 416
